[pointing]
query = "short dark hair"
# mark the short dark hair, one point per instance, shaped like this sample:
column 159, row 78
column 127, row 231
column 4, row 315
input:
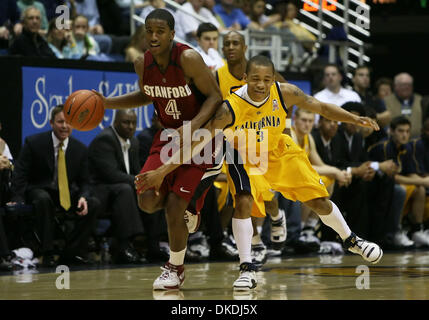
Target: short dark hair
column 332, row 65
column 362, row 66
column 354, row 107
column 205, row 27
column 55, row 110
column 260, row 60
column 162, row 14
column 370, row 112
column 398, row 121
column 383, row 80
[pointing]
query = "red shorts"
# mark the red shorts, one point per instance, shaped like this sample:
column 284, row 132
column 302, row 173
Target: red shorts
column 186, row 181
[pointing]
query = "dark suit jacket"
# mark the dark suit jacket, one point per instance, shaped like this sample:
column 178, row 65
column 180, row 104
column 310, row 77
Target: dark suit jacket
column 35, row 167
column 337, row 150
column 357, row 155
column 27, row 44
column 107, row 161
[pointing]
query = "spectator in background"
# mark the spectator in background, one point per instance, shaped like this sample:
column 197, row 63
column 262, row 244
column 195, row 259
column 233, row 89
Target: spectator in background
column 406, row 103
column 210, row 4
column 400, row 151
column 9, row 22
column 208, row 36
column 232, row 16
column 288, row 13
column 420, row 148
column 361, row 83
column 334, row 92
column 137, row 45
column 52, row 174
column 89, row 9
column 258, row 19
column 24, row 4
column 160, row 4
column 30, row 42
column 114, row 162
column 82, row 43
column 6, row 168
column 190, row 24
column 383, row 88
column 58, row 40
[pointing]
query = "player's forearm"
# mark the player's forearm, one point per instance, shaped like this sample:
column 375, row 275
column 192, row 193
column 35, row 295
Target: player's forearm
column 333, row 112
column 206, row 112
column 401, row 179
column 384, row 118
column 127, row 101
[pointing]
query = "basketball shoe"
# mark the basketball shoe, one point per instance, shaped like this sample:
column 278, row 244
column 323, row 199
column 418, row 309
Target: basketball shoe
column 192, row 221
column 247, row 279
column 278, row 231
column 370, row 251
column 171, row 278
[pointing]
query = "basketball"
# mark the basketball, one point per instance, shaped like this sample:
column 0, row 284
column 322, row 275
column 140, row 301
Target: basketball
column 84, row 110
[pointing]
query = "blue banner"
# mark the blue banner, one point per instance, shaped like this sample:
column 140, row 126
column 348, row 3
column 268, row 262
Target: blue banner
column 45, row 88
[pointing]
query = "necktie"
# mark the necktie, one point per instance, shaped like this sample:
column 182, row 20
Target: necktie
column 63, row 184
column 329, row 152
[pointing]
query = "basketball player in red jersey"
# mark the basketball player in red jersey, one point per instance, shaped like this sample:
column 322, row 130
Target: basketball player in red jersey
column 176, row 80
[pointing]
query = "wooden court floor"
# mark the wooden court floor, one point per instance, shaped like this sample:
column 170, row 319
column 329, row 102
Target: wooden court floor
column 399, row 276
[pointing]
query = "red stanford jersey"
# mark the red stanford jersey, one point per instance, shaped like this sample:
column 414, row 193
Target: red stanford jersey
column 175, row 101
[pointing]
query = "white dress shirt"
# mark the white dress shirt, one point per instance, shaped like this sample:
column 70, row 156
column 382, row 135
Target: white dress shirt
column 125, row 146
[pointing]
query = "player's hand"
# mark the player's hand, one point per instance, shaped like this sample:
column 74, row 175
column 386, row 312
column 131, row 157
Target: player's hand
column 389, row 167
column 148, row 180
column 367, row 122
column 82, row 207
column 103, row 98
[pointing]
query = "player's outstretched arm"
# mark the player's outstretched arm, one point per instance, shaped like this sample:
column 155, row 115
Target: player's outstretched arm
column 132, row 99
column 295, row 96
column 203, row 78
column 153, row 179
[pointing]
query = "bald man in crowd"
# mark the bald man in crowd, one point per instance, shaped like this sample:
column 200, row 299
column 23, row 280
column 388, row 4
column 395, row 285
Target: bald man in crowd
column 114, row 162
column 404, row 101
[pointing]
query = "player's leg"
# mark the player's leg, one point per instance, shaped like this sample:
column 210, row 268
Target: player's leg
column 278, row 223
column 258, row 250
column 173, row 274
column 242, row 230
column 149, row 202
column 331, row 216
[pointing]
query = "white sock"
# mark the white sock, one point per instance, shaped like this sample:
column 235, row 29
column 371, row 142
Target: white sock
column 336, row 221
column 256, row 239
column 242, row 230
column 177, row 258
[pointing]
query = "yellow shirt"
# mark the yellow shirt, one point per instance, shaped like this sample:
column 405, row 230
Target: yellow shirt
column 227, row 82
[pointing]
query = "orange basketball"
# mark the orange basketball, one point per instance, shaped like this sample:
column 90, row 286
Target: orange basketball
column 84, row 110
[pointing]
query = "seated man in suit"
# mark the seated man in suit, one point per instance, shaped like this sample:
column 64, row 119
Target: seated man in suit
column 52, row 174
column 114, row 162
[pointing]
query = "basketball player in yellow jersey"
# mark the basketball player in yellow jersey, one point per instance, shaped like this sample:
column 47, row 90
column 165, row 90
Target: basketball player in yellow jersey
column 301, row 134
column 230, row 78
column 261, row 104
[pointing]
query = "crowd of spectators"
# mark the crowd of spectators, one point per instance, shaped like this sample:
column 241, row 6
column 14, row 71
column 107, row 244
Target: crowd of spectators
column 379, row 179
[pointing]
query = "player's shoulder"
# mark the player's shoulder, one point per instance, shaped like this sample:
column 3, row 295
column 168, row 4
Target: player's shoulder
column 190, row 55
column 378, row 145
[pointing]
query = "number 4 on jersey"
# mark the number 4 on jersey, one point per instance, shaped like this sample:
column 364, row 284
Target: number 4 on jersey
column 171, row 109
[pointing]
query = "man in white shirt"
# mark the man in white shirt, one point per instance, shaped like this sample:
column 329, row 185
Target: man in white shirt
column 334, row 93
column 189, row 23
column 208, row 35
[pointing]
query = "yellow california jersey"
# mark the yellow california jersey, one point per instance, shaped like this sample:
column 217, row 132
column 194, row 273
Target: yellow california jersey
column 227, row 82
column 260, row 127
